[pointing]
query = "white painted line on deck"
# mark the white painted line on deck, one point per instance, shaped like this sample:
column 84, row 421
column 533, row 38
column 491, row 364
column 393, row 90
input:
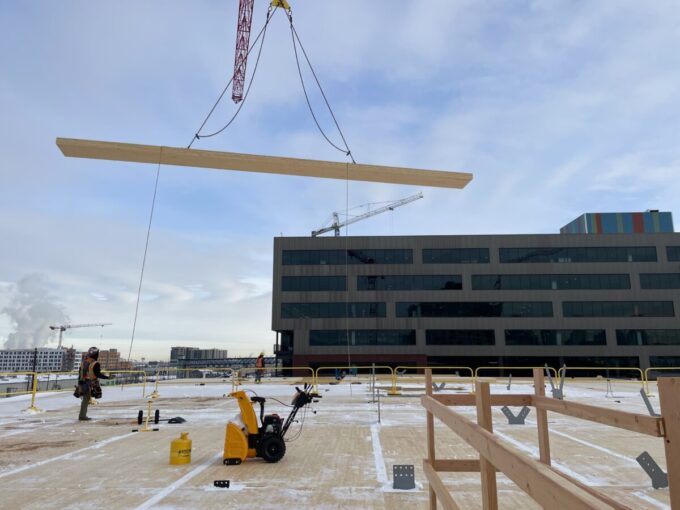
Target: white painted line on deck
column 593, row 482
column 30, row 428
column 591, row 445
column 654, row 502
column 65, row 456
column 176, row 485
column 378, row 455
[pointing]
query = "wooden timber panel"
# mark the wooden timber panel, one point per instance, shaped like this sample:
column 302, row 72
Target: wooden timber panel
column 116, row 151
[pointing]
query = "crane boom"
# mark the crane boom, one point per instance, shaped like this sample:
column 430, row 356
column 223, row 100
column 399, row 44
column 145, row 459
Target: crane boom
column 337, row 224
column 243, row 24
column 63, row 327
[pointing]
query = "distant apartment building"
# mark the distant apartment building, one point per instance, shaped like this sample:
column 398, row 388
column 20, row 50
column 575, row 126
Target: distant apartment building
column 193, row 356
column 110, row 360
column 41, row 359
column 611, row 299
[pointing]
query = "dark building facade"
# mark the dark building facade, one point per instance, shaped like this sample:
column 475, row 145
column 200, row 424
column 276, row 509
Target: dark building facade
column 579, row 299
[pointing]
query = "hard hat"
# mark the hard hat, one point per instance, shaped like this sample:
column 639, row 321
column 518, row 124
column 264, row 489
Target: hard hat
column 93, row 352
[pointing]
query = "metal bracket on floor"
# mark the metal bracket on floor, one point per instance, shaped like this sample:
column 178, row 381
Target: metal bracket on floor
column 648, row 404
column 556, row 392
column 509, row 382
column 222, row 484
column 515, row 420
column 438, row 388
column 403, row 477
column 658, row 476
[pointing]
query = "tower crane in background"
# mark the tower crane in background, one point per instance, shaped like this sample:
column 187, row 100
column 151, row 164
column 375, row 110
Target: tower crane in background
column 64, row 327
column 243, row 24
column 337, row 224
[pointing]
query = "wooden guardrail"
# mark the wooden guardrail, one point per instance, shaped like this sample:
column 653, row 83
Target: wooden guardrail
column 548, row 486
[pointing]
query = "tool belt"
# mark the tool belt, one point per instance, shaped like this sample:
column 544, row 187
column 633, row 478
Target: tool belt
column 95, row 389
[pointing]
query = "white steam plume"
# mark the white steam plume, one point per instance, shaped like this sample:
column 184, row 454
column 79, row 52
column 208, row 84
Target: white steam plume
column 32, row 310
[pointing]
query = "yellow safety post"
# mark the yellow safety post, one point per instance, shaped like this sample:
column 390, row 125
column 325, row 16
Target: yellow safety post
column 393, row 389
column 146, row 427
column 154, row 393
column 33, row 408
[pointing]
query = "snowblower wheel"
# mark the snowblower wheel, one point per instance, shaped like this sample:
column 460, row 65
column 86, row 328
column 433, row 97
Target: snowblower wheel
column 140, row 415
column 157, row 416
column 273, row 449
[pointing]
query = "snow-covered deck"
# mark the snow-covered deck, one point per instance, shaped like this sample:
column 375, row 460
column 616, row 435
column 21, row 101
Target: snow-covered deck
column 342, row 458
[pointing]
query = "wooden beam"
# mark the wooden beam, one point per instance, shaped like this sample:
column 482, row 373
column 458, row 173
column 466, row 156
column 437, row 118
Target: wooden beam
column 456, row 465
column 486, row 469
column 430, row 439
column 154, row 154
column 669, row 400
column 621, row 419
column 542, row 418
column 536, row 479
column 468, row 399
column 438, row 487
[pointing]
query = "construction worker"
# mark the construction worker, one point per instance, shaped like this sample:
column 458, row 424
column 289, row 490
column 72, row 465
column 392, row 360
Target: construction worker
column 88, row 380
column 259, row 365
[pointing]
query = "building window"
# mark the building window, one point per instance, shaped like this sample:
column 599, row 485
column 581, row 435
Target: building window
column 648, row 336
column 660, row 280
column 410, row 282
column 343, row 337
column 460, row 337
column 555, row 337
column 339, row 257
column 313, row 283
column 673, row 253
column 550, row 282
column 665, row 361
column 456, row 256
column 579, row 254
column 618, row 308
column 331, row 310
column 475, row 309
column 312, row 257
column 380, row 256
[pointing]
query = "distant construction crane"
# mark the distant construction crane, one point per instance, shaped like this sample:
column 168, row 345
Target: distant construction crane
column 337, row 224
column 64, row 327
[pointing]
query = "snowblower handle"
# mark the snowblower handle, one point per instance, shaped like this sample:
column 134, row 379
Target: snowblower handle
column 261, row 401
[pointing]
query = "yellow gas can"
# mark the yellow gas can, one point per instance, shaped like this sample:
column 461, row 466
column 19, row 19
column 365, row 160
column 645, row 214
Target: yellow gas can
column 180, row 449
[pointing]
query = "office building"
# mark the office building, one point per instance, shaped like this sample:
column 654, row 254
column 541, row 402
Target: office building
column 620, row 223
column 578, row 299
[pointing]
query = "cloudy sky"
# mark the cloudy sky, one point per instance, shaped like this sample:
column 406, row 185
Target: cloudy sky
column 558, row 108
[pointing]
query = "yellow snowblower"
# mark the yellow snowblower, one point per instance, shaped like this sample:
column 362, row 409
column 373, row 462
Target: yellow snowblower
column 244, row 438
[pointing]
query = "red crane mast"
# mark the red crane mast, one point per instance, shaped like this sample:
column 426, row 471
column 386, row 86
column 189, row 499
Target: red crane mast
column 244, row 22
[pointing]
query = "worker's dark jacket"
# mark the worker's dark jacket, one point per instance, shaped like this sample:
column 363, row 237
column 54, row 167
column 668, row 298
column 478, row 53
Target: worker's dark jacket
column 90, row 373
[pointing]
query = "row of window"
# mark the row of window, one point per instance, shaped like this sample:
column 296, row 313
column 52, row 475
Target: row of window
column 479, row 255
column 482, row 282
column 513, row 337
column 478, row 309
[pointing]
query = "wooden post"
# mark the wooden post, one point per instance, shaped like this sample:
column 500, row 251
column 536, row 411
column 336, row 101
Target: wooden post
column 542, row 418
column 487, row 470
column 430, row 436
column 669, row 398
